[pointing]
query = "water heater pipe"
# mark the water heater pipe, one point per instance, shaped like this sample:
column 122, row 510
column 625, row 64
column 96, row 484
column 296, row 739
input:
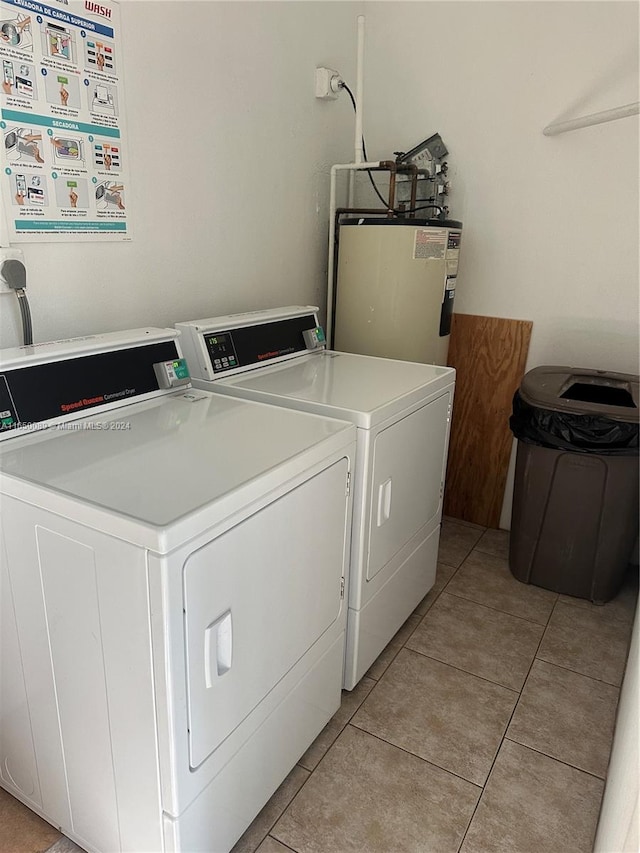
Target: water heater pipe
column 359, row 145
column 342, row 167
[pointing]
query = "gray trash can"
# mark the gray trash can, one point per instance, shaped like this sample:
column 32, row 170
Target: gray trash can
column 575, row 502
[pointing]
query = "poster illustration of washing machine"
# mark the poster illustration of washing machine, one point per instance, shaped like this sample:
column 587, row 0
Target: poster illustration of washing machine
column 23, row 145
column 19, row 79
column 103, row 99
column 72, row 192
column 30, row 190
column 100, row 56
column 110, row 196
column 63, row 90
column 58, row 42
column 17, row 32
column 68, row 150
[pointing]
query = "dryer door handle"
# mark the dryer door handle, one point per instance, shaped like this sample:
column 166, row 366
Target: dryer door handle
column 218, row 648
column 384, row 502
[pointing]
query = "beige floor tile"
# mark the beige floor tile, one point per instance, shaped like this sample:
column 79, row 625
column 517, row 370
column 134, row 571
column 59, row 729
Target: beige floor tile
column 371, row 797
column 456, row 541
column 494, row 542
column 21, row 830
column 270, row 845
column 587, row 641
column 534, row 804
column 446, row 716
column 485, row 642
column 444, row 574
column 486, row 579
column 351, row 701
column 263, row 822
column 567, row 716
column 379, row 666
column 622, row 607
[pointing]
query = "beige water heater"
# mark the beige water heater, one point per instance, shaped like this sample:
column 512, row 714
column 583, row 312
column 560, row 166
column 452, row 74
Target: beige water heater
column 396, row 283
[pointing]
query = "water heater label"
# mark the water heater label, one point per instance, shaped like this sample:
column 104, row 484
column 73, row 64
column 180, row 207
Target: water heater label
column 430, row 244
column 453, row 245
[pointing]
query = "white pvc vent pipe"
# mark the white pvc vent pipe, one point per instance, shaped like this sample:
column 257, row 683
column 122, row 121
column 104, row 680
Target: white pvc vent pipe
column 594, row 118
column 359, row 90
column 359, row 96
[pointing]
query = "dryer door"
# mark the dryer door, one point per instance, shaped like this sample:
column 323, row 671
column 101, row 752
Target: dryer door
column 257, row 598
column 408, row 471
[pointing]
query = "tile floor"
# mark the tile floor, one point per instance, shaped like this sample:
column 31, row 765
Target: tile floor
column 485, row 725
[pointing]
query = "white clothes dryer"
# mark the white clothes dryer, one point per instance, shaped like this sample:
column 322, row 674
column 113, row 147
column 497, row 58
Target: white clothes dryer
column 172, row 578
column 402, row 412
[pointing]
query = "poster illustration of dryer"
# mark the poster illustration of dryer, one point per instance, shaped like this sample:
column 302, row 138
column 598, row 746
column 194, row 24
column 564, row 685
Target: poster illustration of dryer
column 23, row 145
column 66, row 155
column 29, row 190
column 73, row 193
column 27, row 145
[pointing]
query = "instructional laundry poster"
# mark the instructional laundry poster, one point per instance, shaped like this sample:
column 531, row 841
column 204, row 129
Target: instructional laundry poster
column 64, row 166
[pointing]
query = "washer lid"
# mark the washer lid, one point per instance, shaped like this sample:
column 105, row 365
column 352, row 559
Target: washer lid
column 362, row 389
column 193, row 457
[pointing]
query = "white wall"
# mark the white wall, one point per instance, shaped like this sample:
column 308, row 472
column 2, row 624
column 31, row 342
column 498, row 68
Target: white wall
column 230, row 155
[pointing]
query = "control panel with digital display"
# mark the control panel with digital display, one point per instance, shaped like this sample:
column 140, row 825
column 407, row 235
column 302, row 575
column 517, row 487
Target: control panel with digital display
column 31, row 395
column 246, row 346
column 221, row 351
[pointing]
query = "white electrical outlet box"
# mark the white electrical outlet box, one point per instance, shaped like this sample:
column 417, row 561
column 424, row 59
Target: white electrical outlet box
column 324, row 78
column 8, row 254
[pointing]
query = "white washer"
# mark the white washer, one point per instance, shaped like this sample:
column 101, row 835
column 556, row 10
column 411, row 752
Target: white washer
column 402, row 412
column 172, row 578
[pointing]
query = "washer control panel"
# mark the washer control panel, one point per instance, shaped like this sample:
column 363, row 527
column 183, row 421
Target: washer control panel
column 222, row 351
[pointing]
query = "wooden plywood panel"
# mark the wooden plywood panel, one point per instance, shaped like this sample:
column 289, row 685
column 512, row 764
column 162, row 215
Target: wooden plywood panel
column 489, row 355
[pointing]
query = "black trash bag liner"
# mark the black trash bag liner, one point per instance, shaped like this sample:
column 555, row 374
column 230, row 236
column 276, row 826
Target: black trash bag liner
column 568, row 431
